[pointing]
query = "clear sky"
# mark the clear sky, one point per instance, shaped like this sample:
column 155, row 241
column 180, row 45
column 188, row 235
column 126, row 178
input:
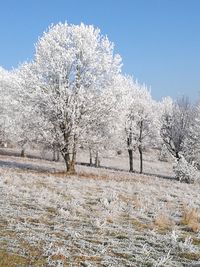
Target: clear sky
column 159, row 40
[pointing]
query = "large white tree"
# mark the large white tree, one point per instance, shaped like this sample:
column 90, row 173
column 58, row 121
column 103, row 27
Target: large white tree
column 73, row 64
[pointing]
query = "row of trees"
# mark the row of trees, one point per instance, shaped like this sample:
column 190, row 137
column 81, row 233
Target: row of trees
column 73, row 94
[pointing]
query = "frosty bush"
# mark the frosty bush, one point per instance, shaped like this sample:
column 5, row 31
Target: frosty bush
column 185, row 172
column 164, row 154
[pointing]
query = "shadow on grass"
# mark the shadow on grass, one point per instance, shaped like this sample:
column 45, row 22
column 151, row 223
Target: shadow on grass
column 12, row 153
column 168, row 177
column 26, row 166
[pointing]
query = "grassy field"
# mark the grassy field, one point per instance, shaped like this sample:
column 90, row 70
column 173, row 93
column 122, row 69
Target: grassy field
column 97, row 217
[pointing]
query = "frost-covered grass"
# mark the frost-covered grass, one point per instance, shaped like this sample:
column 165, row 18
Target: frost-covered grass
column 151, row 163
column 95, row 218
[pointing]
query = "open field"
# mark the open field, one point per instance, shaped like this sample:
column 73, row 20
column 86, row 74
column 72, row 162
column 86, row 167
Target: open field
column 98, row 217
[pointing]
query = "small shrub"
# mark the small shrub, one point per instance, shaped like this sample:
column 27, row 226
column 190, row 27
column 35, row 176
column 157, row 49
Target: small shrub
column 119, row 152
column 164, row 154
column 163, row 222
column 185, row 172
column 191, row 218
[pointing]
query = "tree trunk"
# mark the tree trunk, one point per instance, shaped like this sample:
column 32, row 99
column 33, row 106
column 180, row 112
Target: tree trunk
column 177, row 156
column 23, row 153
column 141, row 158
column 140, row 146
column 57, row 155
column 54, row 153
column 70, row 164
column 97, row 161
column 73, row 162
column 90, row 151
column 130, row 152
column 69, row 152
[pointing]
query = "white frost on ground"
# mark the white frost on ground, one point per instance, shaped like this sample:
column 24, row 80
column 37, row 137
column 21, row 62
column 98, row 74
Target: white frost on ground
column 95, row 218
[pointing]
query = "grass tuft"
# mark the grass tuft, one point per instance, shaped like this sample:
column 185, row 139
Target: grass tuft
column 191, row 219
column 163, row 222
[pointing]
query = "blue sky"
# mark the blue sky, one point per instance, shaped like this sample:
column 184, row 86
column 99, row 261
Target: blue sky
column 159, row 40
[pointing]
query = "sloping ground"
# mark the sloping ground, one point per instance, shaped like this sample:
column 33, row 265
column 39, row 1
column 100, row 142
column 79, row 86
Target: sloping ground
column 95, row 218
column 152, row 165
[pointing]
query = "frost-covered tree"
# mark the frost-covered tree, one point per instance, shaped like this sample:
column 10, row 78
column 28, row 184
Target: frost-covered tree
column 164, row 153
column 185, row 171
column 137, row 117
column 26, row 124
column 175, row 122
column 101, row 135
column 192, row 140
column 141, row 121
column 3, row 105
column 123, row 87
column 73, row 64
column 7, row 104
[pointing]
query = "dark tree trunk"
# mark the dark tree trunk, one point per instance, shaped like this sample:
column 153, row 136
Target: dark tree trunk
column 140, row 147
column 70, row 164
column 130, row 153
column 22, row 153
column 141, row 158
column 73, row 162
column 90, row 151
column 69, row 158
column 69, row 154
column 177, row 156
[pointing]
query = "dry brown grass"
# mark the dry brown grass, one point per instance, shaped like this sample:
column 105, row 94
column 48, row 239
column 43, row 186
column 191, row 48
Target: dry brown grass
column 139, row 225
column 163, row 222
column 62, row 174
column 191, row 219
column 134, row 200
column 90, row 175
column 79, row 261
column 190, row 256
column 8, row 259
column 11, row 260
column 80, row 174
column 109, row 220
